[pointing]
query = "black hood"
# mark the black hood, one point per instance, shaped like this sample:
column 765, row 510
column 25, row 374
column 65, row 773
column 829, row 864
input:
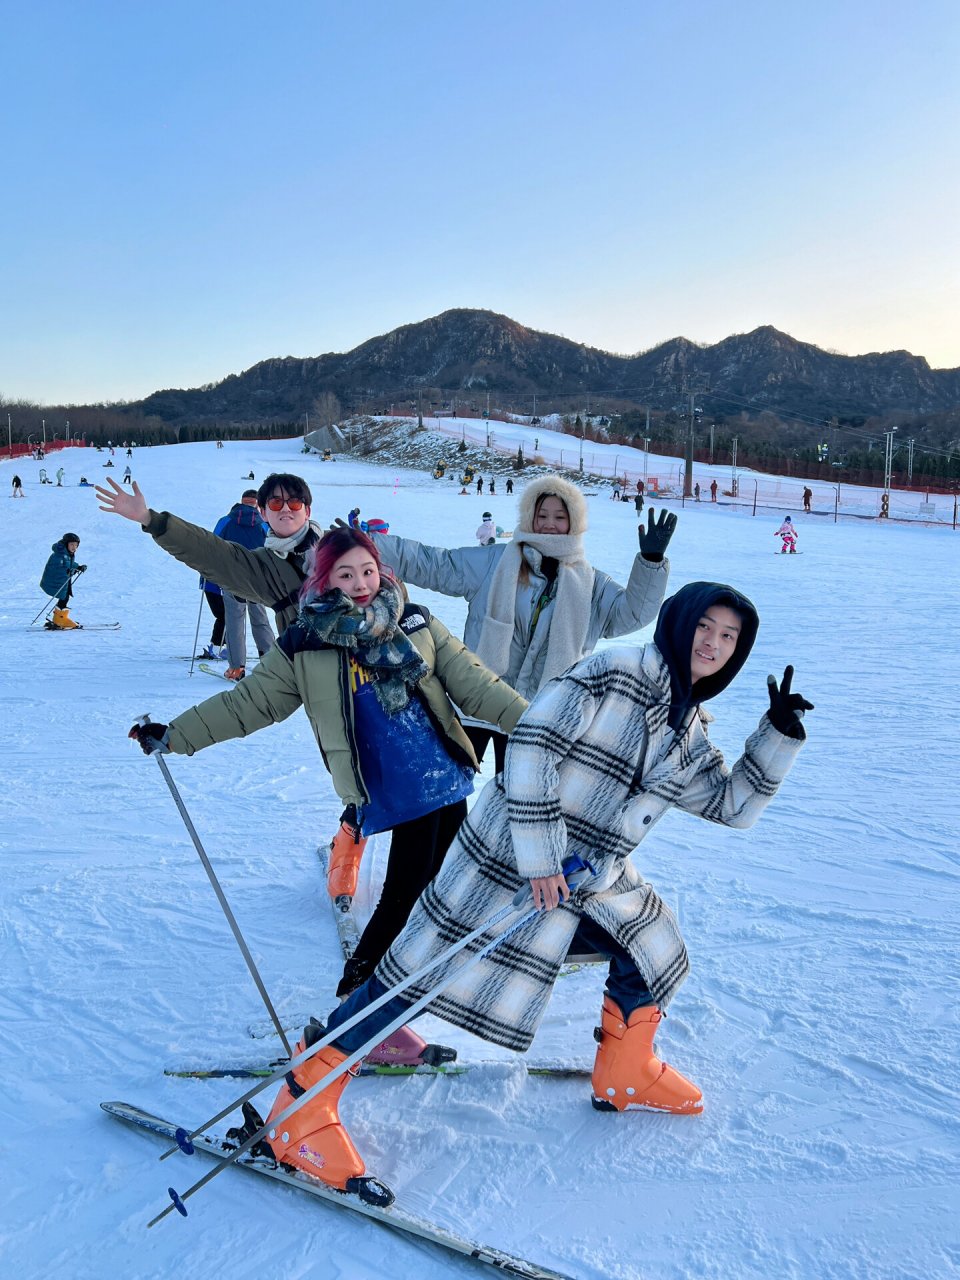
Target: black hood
column 676, row 627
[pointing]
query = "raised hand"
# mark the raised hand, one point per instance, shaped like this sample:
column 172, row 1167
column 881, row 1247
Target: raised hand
column 150, row 737
column 786, row 708
column 655, row 537
column 132, row 506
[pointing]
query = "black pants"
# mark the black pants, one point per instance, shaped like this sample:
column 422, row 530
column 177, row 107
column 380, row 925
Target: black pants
column 479, row 739
column 417, row 851
column 219, row 614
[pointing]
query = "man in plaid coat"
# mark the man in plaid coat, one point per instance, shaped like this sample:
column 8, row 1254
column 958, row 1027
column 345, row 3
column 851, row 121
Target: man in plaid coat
column 602, row 752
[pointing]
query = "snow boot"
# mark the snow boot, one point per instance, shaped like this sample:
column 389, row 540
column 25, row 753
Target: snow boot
column 628, row 1075
column 62, row 620
column 235, row 673
column 313, row 1140
column 404, row 1048
column 212, row 653
column 346, row 850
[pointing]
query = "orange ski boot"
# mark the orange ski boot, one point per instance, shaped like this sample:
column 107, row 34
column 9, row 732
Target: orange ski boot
column 628, row 1075
column 313, row 1140
column 346, row 850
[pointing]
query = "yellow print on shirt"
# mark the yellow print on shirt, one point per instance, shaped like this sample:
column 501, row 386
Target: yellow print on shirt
column 358, row 675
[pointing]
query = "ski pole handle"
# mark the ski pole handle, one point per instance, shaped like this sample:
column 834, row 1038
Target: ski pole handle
column 575, row 870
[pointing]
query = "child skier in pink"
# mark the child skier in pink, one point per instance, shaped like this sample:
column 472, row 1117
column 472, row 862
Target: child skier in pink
column 789, row 535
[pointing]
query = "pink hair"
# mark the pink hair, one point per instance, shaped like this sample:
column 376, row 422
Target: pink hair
column 333, row 545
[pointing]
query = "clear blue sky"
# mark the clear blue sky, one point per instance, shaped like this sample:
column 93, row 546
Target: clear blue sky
column 193, row 187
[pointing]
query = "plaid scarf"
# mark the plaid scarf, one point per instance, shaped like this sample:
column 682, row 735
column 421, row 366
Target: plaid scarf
column 373, row 636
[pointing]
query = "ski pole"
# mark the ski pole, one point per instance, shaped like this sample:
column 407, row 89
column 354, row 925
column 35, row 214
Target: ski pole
column 575, row 865
column 231, row 919
column 56, row 594
column 350, row 1022
column 196, row 634
column 578, row 870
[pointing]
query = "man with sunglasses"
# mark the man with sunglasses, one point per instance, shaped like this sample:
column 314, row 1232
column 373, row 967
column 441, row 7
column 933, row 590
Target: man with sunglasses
column 270, row 575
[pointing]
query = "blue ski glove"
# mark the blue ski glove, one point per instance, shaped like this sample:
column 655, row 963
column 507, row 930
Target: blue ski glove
column 151, row 737
column 655, row 537
column 786, row 708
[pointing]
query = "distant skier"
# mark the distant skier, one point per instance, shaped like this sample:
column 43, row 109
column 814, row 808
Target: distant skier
column 128, row 475
column 807, row 499
column 696, row 493
column 509, row 485
column 491, row 489
column 58, row 575
column 713, row 490
column 245, row 527
column 353, row 518
column 17, row 487
column 638, row 502
column 479, row 484
column 59, row 477
column 615, row 496
column 486, row 534
column 129, row 452
column 789, row 535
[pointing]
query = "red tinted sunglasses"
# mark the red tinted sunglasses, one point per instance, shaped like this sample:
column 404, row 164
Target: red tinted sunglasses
column 277, row 504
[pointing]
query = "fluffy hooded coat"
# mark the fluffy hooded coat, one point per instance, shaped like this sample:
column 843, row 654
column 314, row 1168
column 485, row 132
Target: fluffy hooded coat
column 600, row 608
column 590, row 769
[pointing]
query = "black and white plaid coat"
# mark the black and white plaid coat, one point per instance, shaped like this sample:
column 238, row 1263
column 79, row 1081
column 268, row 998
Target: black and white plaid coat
column 590, row 768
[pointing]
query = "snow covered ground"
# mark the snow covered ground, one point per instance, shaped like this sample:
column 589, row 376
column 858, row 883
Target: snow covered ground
column 820, row 1018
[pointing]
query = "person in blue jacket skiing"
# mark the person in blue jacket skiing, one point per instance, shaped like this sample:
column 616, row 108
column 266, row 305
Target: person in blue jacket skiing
column 243, row 525
column 58, row 577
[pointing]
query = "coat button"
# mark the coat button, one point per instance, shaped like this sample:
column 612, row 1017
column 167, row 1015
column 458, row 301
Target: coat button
column 646, row 819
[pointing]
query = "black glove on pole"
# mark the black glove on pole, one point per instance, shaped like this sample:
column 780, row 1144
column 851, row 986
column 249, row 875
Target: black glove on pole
column 786, row 708
column 145, row 728
column 655, row 537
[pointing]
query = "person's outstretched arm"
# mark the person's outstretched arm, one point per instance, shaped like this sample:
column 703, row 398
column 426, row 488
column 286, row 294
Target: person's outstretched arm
column 256, row 575
column 736, row 797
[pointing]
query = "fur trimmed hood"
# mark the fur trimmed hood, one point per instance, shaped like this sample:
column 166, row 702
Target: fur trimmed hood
column 569, row 495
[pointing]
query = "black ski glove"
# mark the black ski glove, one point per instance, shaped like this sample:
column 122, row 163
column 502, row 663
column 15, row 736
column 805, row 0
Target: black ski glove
column 81, row 568
column 786, row 708
column 339, row 524
column 350, row 822
column 151, row 738
column 656, row 536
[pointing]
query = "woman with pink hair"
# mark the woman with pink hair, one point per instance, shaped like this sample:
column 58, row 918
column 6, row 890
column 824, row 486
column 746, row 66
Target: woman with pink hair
column 373, row 673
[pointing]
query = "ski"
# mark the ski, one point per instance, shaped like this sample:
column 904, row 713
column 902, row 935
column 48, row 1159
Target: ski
column 258, row 1070
column 348, row 932
column 221, row 675
column 81, row 626
column 396, row 1218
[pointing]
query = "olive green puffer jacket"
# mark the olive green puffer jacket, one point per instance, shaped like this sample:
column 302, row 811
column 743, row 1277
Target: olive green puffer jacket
column 290, row 676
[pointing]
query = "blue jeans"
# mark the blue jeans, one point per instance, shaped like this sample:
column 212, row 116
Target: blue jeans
column 624, row 983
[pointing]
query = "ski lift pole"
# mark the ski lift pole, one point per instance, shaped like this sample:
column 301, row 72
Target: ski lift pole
column 575, row 868
column 221, row 897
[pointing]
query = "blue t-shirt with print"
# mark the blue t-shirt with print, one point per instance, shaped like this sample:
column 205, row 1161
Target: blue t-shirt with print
column 406, row 767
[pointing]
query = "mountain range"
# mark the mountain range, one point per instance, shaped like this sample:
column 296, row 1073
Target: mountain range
column 467, row 353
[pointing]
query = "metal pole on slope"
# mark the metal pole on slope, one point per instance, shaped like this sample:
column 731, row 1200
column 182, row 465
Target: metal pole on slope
column 221, row 897
column 196, row 634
